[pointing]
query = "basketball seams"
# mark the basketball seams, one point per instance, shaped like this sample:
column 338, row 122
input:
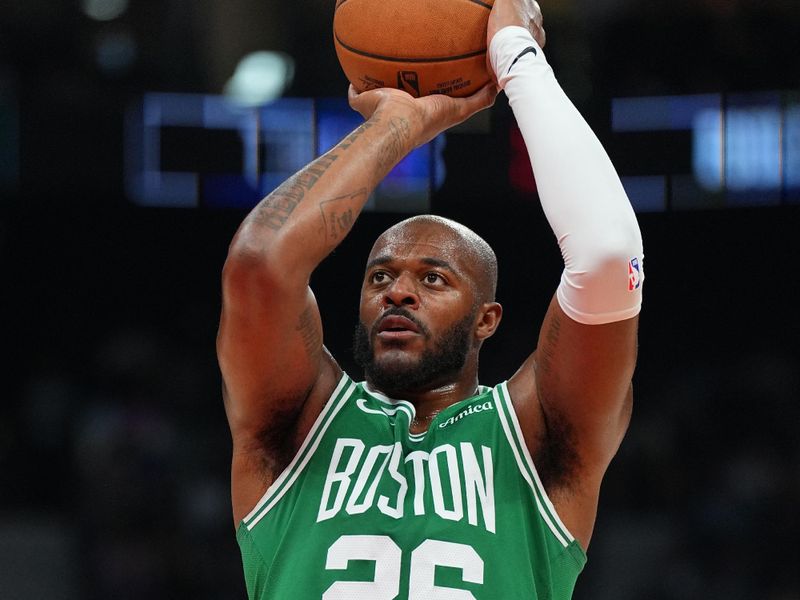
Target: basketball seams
column 419, row 31
column 478, row 2
column 408, row 60
column 420, row 46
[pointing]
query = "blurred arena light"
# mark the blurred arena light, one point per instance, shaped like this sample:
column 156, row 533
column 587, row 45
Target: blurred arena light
column 104, row 10
column 115, row 51
column 260, row 77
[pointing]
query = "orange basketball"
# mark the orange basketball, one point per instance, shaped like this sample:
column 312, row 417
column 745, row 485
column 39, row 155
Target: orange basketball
column 420, row 46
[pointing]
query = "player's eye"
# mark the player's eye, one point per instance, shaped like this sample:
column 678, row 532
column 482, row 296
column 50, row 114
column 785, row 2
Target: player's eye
column 433, row 278
column 379, row 277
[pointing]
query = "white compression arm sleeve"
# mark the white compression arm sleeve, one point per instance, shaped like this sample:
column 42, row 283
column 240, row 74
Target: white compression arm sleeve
column 580, row 191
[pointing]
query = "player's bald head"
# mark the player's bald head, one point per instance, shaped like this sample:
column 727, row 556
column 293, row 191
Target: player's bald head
column 473, row 253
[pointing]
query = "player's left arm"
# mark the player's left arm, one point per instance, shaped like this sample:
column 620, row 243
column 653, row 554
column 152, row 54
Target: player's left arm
column 573, row 394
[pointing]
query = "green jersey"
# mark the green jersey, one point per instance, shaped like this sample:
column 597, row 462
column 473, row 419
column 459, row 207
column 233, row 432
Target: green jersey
column 367, row 510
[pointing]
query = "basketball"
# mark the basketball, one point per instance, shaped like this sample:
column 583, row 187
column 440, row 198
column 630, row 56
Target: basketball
column 421, row 46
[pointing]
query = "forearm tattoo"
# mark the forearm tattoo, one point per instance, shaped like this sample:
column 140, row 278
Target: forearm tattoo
column 275, row 209
column 400, row 133
column 357, row 133
column 339, row 214
column 310, row 332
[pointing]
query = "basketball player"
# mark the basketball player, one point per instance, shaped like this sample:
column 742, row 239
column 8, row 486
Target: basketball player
column 419, row 482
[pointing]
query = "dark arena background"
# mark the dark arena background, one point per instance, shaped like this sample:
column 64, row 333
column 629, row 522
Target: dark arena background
column 134, row 136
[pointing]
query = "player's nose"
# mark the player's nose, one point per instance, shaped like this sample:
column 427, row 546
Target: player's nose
column 402, row 292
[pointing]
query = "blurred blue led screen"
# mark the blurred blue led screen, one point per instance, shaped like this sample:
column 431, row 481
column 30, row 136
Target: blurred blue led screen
column 190, row 150
column 726, row 150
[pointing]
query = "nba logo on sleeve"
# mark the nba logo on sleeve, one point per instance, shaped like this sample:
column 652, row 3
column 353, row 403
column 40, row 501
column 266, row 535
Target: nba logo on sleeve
column 634, row 275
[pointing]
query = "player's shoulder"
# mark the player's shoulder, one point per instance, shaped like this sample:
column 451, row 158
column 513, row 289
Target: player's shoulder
column 524, row 394
column 329, row 378
column 549, row 439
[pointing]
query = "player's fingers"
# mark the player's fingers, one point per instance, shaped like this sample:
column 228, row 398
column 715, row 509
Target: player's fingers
column 461, row 109
column 357, row 100
column 538, row 19
column 352, row 94
column 363, row 102
column 483, row 98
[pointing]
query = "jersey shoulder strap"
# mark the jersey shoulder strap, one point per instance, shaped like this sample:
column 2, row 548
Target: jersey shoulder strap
column 343, row 391
column 516, row 441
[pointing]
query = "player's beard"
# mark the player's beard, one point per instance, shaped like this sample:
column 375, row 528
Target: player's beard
column 446, row 357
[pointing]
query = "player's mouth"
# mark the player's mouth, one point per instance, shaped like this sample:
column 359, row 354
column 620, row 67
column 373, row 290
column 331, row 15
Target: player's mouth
column 397, row 327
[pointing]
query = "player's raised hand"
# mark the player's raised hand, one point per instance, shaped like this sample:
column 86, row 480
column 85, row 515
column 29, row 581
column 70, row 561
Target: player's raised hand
column 427, row 116
column 523, row 13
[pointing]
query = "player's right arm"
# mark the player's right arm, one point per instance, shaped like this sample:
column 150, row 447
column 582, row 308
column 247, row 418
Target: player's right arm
column 276, row 372
column 573, row 394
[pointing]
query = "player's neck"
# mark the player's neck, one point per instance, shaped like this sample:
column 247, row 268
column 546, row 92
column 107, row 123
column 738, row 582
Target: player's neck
column 430, row 401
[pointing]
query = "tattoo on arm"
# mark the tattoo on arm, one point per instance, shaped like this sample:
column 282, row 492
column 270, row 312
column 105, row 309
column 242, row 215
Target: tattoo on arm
column 350, row 139
column 400, row 134
column 276, row 208
column 310, row 332
column 339, row 214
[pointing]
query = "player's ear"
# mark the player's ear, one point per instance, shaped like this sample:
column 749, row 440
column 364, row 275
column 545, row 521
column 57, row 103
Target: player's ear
column 489, row 315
